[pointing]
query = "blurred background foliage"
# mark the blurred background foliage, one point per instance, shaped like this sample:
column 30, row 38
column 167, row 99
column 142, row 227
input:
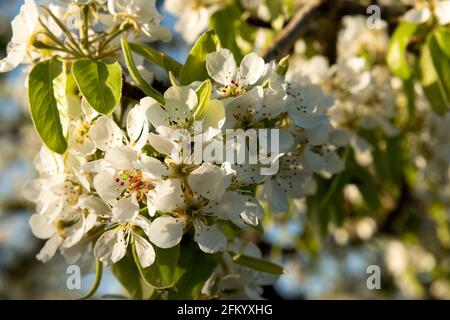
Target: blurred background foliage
column 393, row 213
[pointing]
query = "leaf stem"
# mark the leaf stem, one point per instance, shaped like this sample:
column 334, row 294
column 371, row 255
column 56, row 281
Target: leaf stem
column 98, row 279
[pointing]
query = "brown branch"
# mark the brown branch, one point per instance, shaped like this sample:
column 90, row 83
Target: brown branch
column 388, row 12
column 294, row 30
column 300, row 23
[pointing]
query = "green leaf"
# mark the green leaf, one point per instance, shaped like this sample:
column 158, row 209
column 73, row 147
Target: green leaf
column 195, row 67
column 129, row 60
column 127, row 273
column 173, row 79
column 431, row 82
column 442, row 36
column 283, row 66
column 226, row 23
column 258, row 264
column 204, row 95
column 194, row 268
column 157, row 57
column 161, row 274
column 97, row 281
column 99, row 82
column 43, row 104
column 396, row 56
column 441, row 64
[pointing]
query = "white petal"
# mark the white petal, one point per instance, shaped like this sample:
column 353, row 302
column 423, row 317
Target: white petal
column 309, row 122
column 211, row 181
column 126, row 209
column 93, row 203
column 180, row 101
column 105, row 133
column 166, row 231
column 74, row 233
column 162, row 144
column 143, row 223
column 111, row 247
column 251, row 69
column 221, row 66
column 192, row 23
column 238, row 109
column 442, row 12
column 151, row 168
column 41, row 227
column 96, row 166
column 121, row 157
column 252, row 213
column 91, row 220
column 319, row 134
column 276, row 195
column 32, row 189
column 418, row 16
column 314, row 160
column 137, row 126
column 49, row 249
column 166, row 196
column 106, row 186
column 16, row 55
column 214, row 115
column 157, row 32
column 157, row 116
column 210, row 239
column 145, row 251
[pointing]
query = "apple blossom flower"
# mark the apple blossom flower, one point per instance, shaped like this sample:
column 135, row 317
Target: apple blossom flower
column 68, row 228
column 24, row 26
column 142, row 14
column 193, row 16
column 231, row 80
column 422, row 12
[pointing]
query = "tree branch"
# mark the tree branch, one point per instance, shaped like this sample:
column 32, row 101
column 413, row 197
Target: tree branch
column 294, row 30
column 300, row 23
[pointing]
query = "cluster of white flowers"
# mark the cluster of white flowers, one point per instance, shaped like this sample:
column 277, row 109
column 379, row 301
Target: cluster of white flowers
column 35, row 27
column 429, row 151
column 194, row 15
column 135, row 178
column 140, row 184
column 365, row 95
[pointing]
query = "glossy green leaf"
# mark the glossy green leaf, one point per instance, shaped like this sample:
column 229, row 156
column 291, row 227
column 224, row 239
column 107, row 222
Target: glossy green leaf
column 127, row 273
column 157, row 57
column 204, row 96
column 283, row 66
column 147, row 88
column 431, row 83
column 258, row 264
column 43, row 103
column 397, row 54
column 99, row 82
column 173, row 79
column 441, row 64
column 442, row 36
column 194, row 268
column 226, row 23
column 195, row 67
column 161, row 274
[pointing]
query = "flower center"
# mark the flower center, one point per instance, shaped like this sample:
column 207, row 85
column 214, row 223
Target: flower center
column 133, row 183
column 82, row 132
column 232, row 90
